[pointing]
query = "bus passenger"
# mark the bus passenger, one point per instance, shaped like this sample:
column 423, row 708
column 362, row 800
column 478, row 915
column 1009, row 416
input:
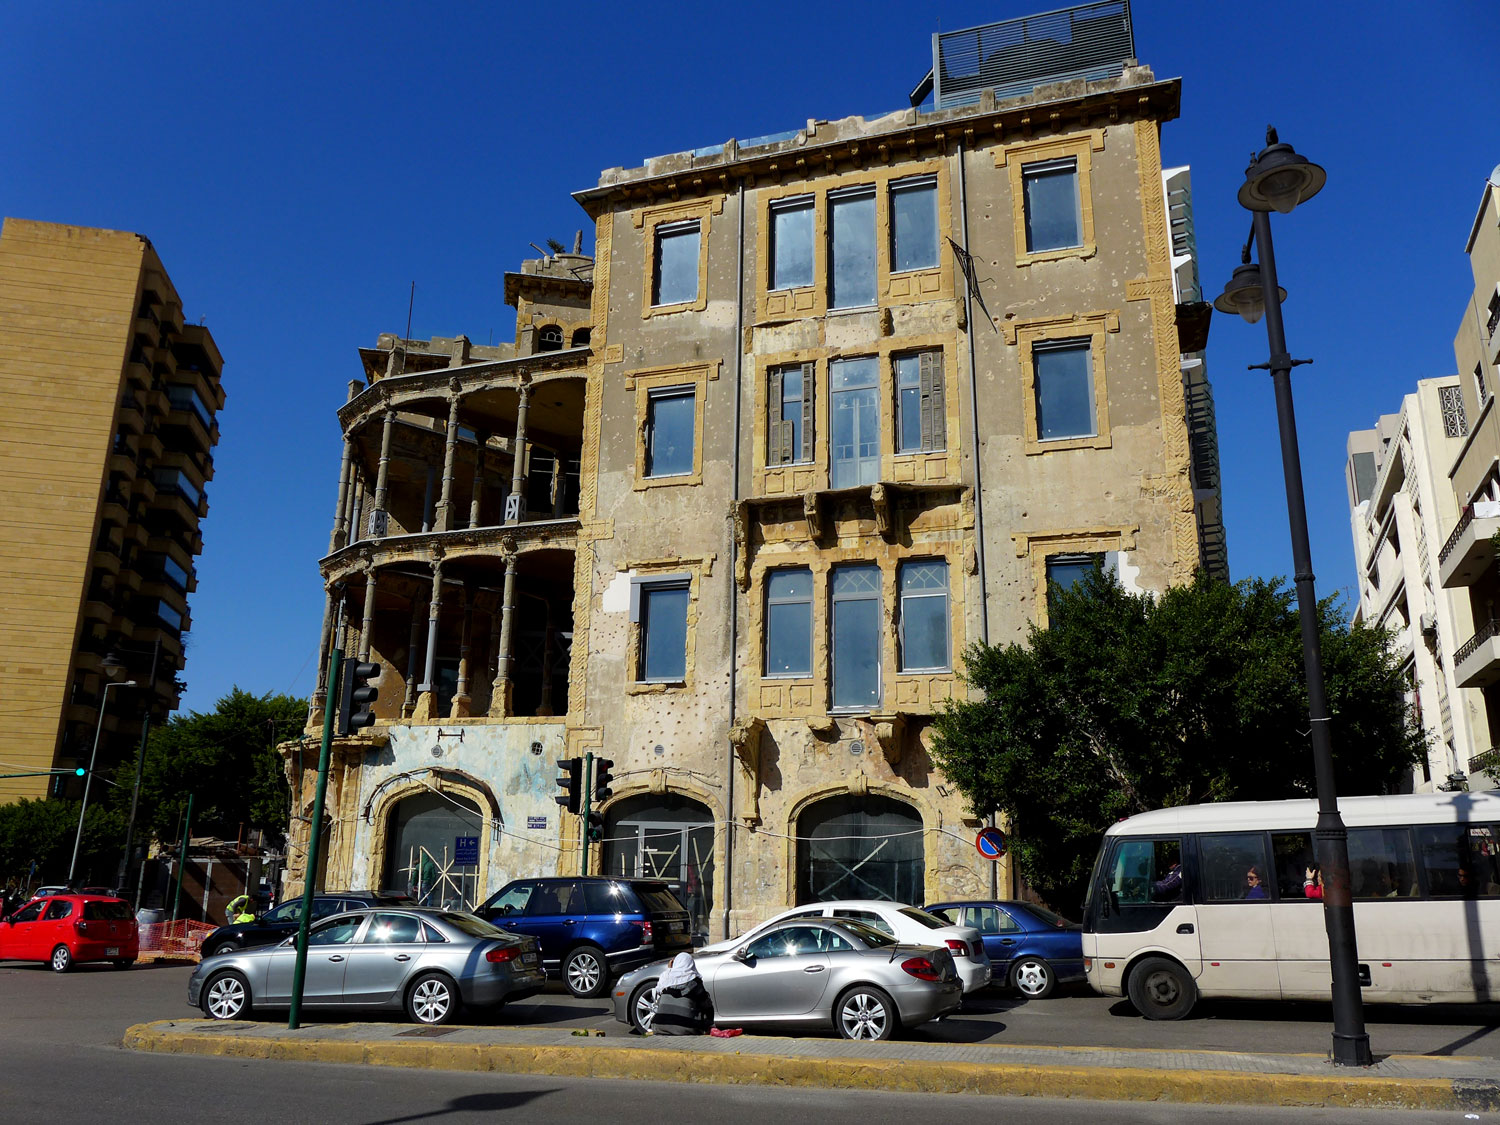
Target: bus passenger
column 1253, row 888
column 1312, row 885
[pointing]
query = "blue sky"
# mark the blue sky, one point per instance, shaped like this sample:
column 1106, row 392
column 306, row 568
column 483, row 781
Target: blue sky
column 298, row 166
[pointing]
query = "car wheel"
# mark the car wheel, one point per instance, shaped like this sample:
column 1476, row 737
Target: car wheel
column 1033, row 978
column 585, row 971
column 226, row 997
column 223, row 948
column 643, row 1007
column 62, row 959
column 1162, row 990
column 432, row 999
column 865, row 1012
column 124, row 962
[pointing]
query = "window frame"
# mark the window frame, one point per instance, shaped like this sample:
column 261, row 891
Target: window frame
column 641, row 590
column 926, row 182
column 833, row 599
column 872, row 387
column 780, row 440
column 1093, row 327
column 674, row 229
column 647, row 220
column 1075, row 345
column 665, row 394
column 767, row 601
column 853, row 193
column 645, row 382
column 1029, row 172
column 1015, row 158
column 932, row 402
column 946, row 617
column 792, row 203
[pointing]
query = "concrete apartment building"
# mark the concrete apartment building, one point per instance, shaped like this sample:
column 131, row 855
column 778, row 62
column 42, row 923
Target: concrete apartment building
column 106, row 440
column 1401, row 506
column 822, row 409
column 1467, row 562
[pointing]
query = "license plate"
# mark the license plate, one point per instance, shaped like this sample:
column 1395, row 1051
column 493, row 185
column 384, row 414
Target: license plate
column 528, row 958
column 112, row 951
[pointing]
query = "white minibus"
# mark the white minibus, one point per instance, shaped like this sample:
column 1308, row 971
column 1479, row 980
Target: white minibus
column 1224, row 900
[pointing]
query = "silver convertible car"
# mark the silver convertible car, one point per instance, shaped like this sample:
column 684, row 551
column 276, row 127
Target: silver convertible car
column 815, row 973
column 428, row 962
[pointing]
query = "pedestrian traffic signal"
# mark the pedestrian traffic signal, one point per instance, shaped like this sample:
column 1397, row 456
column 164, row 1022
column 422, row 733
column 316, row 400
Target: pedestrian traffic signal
column 356, row 696
column 602, row 779
column 596, row 826
column 80, row 772
column 570, row 781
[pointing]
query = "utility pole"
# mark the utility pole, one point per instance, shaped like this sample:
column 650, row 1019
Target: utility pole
column 314, row 831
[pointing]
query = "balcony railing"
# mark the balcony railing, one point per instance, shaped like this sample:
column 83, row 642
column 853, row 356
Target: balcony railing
column 1487, row 760
column 1465, row 518
column 1489, row 629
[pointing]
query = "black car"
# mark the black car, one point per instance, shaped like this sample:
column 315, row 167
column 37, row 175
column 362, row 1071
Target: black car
column 276, row 924
column 593, row 929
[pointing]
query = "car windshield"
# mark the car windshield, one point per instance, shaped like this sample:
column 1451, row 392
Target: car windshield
column 469, row 924
column 1055, row 920
column 931, row 921
column 871, row 937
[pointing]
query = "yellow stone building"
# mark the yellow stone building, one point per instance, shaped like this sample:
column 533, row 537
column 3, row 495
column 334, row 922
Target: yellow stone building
column 106, row 444
column 822, row 409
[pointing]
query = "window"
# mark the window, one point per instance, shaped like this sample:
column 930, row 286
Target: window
column 57, row 910
column 580, row 338
column 1064, row 389
column 1234, row 868
column 792, row 243
column 790, row 942
column 866, row 847
column 341, row 931
column 921, row 419
column 168, row 616
column 914, row 224
column 173, row 573
column 1381, row 864
column 1054, row 218
column 550, row 338
column 854, row 422
column 924, row 616
column 393, row 929
column 1455, row 422
column 183, row 397
column 669, row 432
column 856, row 637
column 1481, row 388
column 990, row 920
column 1461, row 860
column 512, row 900
column 552, row 898
column 28, row 913
column 851, row 237
column 789, row 431
column 868, row 917
column 1146, row 871
column 176, row 480
column 789, row 622
column 663, row 631
column 1066, row 570
column 675, row 278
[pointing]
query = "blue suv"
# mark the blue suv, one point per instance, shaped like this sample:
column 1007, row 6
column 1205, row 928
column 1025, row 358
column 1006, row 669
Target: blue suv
column 593, row 929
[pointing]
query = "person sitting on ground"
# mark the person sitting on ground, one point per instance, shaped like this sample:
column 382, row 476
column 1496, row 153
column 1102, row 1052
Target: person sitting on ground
column 1253, row 886
column 1312, row 886
column 683, row 1006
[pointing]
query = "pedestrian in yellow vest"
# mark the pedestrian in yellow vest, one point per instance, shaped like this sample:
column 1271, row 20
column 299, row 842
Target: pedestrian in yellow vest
column 239, row 910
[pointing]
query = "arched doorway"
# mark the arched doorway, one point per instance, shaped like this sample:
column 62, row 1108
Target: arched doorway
column 422, row 849
column 860, row 847
column 668, row 837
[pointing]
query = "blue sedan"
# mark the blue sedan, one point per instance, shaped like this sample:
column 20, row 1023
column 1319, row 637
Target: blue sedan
column 1030, row 947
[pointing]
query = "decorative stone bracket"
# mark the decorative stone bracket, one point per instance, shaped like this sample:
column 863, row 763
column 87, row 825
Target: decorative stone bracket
column 889, row 732
column 745, row 737
column 814, row 515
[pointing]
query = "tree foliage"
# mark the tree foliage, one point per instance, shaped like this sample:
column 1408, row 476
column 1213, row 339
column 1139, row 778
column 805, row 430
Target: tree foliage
column 1129, row 702
column 225, row 758
column 36, row 841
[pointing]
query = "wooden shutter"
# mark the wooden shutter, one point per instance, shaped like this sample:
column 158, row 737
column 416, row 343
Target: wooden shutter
column 934, row 414
column 775, row 439
column 806, row 453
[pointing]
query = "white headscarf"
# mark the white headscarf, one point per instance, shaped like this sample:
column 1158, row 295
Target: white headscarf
column 680, row 973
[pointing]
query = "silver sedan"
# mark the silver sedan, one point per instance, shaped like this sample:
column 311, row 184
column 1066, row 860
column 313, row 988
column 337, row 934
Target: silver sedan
column 426, row 962
column 812, row 972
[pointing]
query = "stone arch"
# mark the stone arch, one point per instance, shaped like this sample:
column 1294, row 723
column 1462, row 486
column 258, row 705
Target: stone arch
column 860, row 786
column 383, row 803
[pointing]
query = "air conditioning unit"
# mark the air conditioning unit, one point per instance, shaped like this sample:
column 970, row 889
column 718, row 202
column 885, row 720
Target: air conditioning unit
column 1428, row 623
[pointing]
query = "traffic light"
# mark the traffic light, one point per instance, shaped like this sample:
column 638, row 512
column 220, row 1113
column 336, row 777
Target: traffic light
column 596, row 826
column 602, row 778
column 355, row 691
column 570, row 781
column 80, row 772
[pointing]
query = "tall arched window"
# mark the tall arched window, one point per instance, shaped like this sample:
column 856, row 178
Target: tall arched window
column 421, row 842
column 549, row 339
column 860, row 847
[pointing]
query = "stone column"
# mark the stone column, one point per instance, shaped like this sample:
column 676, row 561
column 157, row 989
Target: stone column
column 500, row 692
column 461, row 699
column 427, row 700
column 493, row 657
column 479, row 440
column 356, row 507
column 515, row 503
column 383, row 472
column 408, row 705
column 367, row 619
column 444, row 521
column 325, row 643
column 340, row 534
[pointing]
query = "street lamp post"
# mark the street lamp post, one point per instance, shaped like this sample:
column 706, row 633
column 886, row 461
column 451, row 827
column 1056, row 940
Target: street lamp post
column 89, row 777
column 1278, row 179
column 122, row 875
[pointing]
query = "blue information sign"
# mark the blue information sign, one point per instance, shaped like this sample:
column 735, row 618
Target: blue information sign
column 990, row 842
column 466, row 851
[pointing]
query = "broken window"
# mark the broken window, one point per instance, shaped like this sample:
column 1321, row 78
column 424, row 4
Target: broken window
column 921, row 418
column 674, row 281
column 789, row 434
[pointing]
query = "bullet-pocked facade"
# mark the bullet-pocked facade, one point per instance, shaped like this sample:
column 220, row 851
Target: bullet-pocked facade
column 821, row 410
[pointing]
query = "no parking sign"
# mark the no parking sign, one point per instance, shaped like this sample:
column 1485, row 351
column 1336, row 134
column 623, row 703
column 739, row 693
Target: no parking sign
column 990, row 842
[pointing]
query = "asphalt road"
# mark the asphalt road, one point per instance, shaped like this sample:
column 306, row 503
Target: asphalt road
column 60, row 1061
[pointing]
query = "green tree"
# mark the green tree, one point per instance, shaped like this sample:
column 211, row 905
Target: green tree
column 1129, row 702
column 225, row 758
column 36, row 841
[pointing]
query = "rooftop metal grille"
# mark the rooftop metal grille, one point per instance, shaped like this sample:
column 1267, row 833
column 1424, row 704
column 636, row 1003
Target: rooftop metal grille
column 1013, row 57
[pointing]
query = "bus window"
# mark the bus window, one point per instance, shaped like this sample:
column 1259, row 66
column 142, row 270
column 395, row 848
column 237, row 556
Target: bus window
column 1233, row 868
column 1294, row 855
column 1381, row 863
column 1146, row 871
column 1461, row 860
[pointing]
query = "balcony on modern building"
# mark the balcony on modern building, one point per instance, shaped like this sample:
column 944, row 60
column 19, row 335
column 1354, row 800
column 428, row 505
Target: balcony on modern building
column 1470, row 551
column 1477, row 663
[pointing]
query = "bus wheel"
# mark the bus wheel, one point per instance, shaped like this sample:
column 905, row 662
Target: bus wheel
column 1162, row 989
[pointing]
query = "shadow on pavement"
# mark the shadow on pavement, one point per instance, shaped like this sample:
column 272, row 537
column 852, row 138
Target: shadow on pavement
column 471, row 1103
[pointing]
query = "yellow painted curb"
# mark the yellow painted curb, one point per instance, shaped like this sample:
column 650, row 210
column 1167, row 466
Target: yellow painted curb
column 1215, row 1087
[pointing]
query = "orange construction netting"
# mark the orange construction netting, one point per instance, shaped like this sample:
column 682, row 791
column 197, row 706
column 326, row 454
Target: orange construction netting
column 182, row 938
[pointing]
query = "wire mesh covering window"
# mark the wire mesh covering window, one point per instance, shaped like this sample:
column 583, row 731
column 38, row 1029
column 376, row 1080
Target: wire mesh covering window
column 1455, row 421
column 860, row 847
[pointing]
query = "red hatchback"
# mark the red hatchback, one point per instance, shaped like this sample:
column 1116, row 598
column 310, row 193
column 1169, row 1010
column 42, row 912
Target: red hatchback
column 62, row 929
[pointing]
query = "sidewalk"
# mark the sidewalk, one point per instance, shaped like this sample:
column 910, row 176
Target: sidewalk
column 1212, row 1077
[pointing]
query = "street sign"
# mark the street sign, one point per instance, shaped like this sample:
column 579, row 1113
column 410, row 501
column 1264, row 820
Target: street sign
column 466, row 851
column 990, row 842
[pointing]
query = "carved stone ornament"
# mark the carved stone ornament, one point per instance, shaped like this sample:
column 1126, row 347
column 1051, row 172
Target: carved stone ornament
column 814, row 514
column 880, row 500
column 744, row 736
column 889, row 730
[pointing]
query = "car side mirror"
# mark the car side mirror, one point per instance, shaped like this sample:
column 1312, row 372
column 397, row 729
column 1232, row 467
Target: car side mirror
column 744, row 956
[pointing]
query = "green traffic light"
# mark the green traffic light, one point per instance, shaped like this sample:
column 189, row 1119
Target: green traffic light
column 79, row 772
